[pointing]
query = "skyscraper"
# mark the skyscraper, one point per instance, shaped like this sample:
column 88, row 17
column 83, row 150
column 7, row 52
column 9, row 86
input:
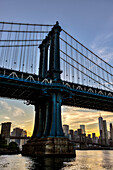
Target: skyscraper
column 101, row 129
column 17, row 132
column 111, row 131
column 5, row 131
column 105, row 132
column 83, row 128
column 66, row 130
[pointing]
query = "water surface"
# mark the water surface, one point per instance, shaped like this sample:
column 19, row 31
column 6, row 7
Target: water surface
column 85, row 160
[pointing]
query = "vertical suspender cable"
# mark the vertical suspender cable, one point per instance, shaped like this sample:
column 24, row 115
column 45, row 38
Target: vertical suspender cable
column 2, row 27
column 87, row 65
column 69, row 67
column 17, row 49
column 24, row 56
column 10, row 53
column 72, row 73
column 77, row 76
column 1, row 49
column 66, row 60
column 28, row 52
column 21, row 53
column 4, row 49
column 82, row 68
column 35, row 63
column 32, row 55
column 14, row 51
column 7, row 57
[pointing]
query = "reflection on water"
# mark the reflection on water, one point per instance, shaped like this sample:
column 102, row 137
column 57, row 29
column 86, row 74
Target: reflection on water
column 86, row 160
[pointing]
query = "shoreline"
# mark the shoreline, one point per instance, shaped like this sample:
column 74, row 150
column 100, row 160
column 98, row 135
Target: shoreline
column 4, row 151
column 19, row 152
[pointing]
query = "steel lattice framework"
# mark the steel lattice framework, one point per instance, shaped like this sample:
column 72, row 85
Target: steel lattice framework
column 33, row 61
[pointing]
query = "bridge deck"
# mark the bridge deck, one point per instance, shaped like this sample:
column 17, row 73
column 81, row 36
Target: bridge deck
column 28, row 87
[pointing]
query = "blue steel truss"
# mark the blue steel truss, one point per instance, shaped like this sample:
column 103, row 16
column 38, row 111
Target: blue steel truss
column 68, row 73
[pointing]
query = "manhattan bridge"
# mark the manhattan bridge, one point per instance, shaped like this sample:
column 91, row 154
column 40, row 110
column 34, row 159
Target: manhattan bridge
column 47, row 67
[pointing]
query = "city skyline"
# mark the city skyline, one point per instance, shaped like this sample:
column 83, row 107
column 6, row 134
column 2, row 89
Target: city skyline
column 94, row 31
column 24, row 117
column 102, row 126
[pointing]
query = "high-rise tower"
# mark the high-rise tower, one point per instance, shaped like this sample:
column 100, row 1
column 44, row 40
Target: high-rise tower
column 5, row 131
column 83, row 129
column 101, row 129
column 105, row 132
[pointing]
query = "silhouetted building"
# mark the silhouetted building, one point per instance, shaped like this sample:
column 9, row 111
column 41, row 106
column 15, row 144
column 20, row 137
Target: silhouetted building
column 105, row 132
column 23, row 141
column 93, row 135
column 5, row 131
column 75, row 133
column 94, row 138
column 17, row 132
column 111, row 132
column 89, row 136
column 79, row 132
column 66, row 130
column 108, row 135
column 101, row 129
column 83, row 129
column 111, row 135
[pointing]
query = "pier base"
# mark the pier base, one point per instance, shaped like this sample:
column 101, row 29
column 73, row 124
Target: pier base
column 57, row 147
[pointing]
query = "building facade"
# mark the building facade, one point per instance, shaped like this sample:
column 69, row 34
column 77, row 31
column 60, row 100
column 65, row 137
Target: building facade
column 5, row 131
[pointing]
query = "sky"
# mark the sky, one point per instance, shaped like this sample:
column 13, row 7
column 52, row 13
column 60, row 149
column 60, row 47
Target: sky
column 90, row 22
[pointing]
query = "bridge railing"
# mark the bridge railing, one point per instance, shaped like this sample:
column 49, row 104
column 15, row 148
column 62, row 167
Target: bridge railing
column 82, row 66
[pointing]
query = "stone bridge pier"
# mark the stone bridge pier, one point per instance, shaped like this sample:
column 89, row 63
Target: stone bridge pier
column 48, row 137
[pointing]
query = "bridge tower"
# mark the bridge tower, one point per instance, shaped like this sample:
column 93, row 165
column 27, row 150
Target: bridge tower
column 48, row 137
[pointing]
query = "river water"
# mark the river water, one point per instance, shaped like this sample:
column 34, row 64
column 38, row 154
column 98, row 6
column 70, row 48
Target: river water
column 85, row 160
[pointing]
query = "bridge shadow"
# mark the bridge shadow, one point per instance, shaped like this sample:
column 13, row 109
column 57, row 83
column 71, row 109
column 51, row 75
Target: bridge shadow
column 53, row 163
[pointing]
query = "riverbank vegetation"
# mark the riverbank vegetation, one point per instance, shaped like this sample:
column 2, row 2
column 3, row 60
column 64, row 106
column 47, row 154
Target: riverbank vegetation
column 12, row 148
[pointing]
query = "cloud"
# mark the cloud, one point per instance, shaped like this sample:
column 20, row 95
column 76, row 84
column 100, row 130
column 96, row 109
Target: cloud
column 102, row 46
column 10, row 110
column 5, row 106
column 27, row 121
column 6, row 117
column 18, row 112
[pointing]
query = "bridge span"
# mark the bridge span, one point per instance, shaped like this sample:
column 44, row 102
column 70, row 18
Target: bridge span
column 24, row 86
column 68, row 74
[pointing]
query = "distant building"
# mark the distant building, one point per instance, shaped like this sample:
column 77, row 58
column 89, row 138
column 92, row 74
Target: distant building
column 23, row 141
column 79, row 132
column 75, row 133
column 17, row 132
column 111, row 132
column 93, row 135
column 111, row 135
column 101, row 128
column 94, row 138
column 108, row 135
column 5, row 131
column 66, row 130
column 83, row 129
column 105, row 132
column 71, row 134
column 89, row 136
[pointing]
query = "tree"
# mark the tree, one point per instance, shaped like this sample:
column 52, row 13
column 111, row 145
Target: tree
column 13, row 146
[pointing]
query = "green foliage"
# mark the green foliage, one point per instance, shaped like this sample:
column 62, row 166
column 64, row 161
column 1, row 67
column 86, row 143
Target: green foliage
column 13, row 146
